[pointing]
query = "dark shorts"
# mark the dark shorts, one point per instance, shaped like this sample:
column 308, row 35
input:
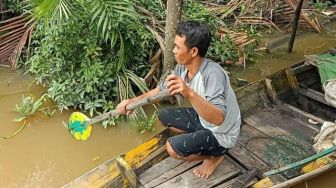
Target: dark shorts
column 196, row 139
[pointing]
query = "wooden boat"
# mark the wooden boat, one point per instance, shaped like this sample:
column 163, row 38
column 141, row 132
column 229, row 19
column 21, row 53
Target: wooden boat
column 275, row 125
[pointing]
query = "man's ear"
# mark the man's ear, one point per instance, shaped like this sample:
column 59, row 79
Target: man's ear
column 194, row 52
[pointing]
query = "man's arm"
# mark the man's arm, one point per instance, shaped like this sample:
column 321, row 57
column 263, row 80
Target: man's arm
column 121, row 108
column 206, row 110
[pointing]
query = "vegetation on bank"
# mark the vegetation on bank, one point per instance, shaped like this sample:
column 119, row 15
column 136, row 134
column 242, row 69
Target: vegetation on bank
column 91, row 54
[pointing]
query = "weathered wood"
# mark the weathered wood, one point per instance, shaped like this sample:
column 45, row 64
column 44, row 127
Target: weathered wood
column 108, row 172
column 301, row 68
column 250, row 161
column 305, row 177
column 127, row 172
column 253, row 140
column 246, row 158
column 272, row 122
column 270, row 89
column 264, row 125
column 228, row 184
column 224, row 171
column 249, row 102
column 245, row 178
column 250, row 96
column 153, row 159
column 251, row 155
column 312, row 94
column 296, row 112
column 317, row 108
column 171, row 173
column 292, row 81
column 159, row 169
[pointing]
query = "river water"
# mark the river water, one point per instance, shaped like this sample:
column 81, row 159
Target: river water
column 45, row 155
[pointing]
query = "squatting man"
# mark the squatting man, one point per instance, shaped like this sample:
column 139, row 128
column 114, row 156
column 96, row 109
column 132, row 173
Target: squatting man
column 212, row 125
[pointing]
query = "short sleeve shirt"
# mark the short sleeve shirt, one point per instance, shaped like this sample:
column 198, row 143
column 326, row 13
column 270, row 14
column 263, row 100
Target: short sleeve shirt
column 212, row 83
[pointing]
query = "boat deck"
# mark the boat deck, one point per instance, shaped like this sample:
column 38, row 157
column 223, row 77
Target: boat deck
column 257, row 141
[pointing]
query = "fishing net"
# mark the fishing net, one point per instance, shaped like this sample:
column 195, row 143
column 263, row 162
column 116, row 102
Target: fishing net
column 287, row 149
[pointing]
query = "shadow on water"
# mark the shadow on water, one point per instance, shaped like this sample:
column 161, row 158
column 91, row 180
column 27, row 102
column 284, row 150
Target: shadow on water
column 45, row 155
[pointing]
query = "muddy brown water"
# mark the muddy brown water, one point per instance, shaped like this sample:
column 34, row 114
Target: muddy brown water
column 45, row 155
column 305, row 44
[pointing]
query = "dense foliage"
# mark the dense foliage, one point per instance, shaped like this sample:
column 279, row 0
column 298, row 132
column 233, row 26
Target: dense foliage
column 84, row 60
column 91, row 54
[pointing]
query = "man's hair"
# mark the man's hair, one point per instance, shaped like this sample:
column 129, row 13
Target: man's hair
column 197, row 35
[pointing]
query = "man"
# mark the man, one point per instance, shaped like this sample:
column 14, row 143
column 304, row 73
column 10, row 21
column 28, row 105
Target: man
column 212, row 125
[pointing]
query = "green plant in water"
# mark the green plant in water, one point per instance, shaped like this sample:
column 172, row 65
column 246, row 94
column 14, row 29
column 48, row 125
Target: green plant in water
column 146, row 124
column 29, row 108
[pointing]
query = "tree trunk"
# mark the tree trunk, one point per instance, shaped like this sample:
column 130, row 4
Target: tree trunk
column 174, row 10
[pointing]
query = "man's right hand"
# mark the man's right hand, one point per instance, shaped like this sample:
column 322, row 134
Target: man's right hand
column 121, row 107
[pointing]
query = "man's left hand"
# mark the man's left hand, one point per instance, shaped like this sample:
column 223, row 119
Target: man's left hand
column 176, row 85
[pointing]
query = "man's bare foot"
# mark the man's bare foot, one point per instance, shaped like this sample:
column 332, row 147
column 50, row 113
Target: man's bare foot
column 207, row 167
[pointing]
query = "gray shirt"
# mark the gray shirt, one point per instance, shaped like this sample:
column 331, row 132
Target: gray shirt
column 212, row 83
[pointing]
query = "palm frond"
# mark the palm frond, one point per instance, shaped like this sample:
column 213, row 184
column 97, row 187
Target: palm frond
column 14, row 34
column 53, row 9
column 126, row 91
column 139, row 82
column 107, row 13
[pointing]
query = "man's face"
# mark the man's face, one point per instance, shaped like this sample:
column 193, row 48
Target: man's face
column 182, row 53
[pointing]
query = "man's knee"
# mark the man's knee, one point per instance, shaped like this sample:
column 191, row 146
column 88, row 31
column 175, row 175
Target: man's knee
column 171, row 151
column 162, row 116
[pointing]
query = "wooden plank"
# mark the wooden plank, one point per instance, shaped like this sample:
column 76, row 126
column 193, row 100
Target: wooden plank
column 249, row 96
column 155, row 154
column 262, row 124
column 249, row 135
column 153, row 159
column 273, row 147
column 252, row 145
column 252, row 157
column 270, row 89
column 292, row 81
column 312, row 94
column 228, row 184
column 185, row 166
column 247, row 159
column 274, row 123
column 159, row 169
column 108, row 172
column 296, row 112
column 318, row 109
column 301, row 68
column 250, row 160
column 224, row 172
